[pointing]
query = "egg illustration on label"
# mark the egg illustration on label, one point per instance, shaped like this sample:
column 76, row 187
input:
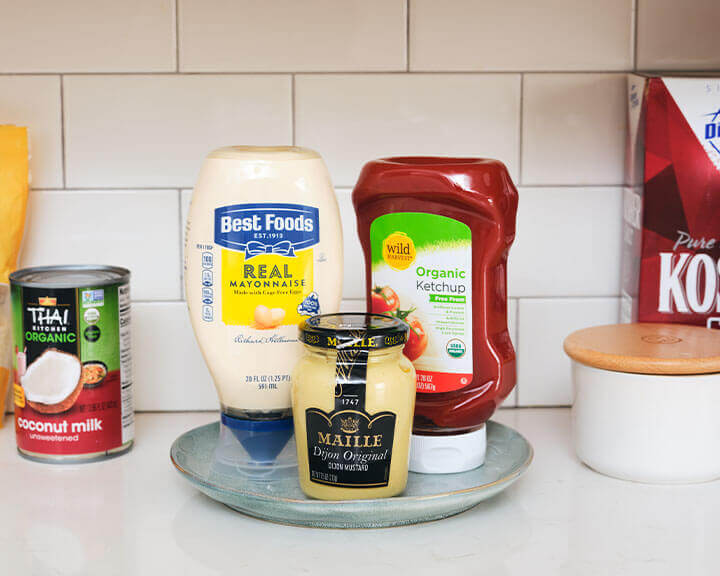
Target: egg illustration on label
column 267, row 318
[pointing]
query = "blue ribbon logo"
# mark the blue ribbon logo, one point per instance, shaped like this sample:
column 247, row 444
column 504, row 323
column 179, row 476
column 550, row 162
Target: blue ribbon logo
column 283, row 248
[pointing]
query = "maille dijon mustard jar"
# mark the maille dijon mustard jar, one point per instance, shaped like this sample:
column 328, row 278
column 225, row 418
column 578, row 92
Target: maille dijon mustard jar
column 353, row 395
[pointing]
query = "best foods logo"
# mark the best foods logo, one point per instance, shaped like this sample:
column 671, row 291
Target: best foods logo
column 257, row 229
column 398, row 251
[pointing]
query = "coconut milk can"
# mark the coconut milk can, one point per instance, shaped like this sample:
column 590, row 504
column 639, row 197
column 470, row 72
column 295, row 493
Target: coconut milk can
column 72, row 384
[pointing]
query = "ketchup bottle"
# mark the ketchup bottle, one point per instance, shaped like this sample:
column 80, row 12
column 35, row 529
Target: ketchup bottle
column 436, row 234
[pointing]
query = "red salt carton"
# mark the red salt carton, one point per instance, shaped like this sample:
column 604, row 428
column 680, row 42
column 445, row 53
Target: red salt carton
column 671, row 205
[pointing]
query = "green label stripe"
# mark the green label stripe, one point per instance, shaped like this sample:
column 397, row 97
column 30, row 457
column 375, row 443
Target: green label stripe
column 428, row 231
column 106, row 348
column 447, row 298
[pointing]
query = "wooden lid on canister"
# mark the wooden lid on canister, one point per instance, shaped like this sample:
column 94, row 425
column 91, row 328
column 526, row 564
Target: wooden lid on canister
column 647, row 348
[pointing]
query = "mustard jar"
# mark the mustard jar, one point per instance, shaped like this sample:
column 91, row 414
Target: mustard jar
column 353, row 397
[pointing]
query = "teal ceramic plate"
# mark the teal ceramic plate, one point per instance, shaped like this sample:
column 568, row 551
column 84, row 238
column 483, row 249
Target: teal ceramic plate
column 276, row 496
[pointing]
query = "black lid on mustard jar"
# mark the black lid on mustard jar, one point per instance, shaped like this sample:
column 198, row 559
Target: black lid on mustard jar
column 354, row 331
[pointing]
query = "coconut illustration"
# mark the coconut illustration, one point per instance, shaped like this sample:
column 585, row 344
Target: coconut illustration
column 52, row 382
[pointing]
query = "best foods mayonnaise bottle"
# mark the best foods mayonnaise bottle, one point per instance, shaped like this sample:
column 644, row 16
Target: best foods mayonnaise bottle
column 263, row 252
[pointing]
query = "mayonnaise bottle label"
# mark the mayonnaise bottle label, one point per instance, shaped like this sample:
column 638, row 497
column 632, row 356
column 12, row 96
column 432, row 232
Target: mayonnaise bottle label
column 422, row 273
column 266, row 263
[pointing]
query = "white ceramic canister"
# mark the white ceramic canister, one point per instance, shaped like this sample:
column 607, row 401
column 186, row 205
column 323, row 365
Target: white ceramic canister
column 263, row 252
column 646, row 401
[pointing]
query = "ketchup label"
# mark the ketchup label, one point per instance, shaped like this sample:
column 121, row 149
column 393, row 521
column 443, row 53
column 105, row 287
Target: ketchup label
column 421, row 273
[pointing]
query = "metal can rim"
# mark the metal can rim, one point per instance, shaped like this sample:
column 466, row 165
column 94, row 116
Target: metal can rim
column 122, row 275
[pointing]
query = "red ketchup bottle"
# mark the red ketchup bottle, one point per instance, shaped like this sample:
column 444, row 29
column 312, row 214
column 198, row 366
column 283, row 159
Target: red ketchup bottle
column 436, row 234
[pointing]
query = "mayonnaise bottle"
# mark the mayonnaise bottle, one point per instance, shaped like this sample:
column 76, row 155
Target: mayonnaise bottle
column 263, row 252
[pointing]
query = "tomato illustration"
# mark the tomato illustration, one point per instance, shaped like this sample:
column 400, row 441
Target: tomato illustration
column 383, row 299
column 417, row 340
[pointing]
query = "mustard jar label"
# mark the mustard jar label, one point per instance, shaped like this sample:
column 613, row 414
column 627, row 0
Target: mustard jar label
column 349, row 447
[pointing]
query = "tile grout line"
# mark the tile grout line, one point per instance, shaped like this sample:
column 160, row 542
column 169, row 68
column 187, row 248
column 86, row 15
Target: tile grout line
column 62, row 132
column 520, row 128
column 292, row 108
column 635, row 18
column 407, row 35
column 557, row 185
column 181, row 239
column 399, row 72
column 517, row 350
column 545, row 406
column 169, row 188
column 568, row 297
column 177, row 36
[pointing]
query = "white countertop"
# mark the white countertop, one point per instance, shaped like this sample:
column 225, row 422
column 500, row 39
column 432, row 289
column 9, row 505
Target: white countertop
column 136, row 515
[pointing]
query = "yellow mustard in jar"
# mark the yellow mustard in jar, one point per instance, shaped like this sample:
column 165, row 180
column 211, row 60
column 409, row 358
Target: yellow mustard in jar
column 353, row 397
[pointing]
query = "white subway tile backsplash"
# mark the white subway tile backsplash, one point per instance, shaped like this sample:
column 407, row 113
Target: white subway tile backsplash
column 674, row 35
column 568, row 243
column 34, row 101
column 185, row 198
column 111, row 119
column 544, row 369
column 573, row 129
column 512, row 307
column 521, row 35
column 137, row 229
column 154, row 131
column 357, row 305
column 87, row 36
column 351, row 119
column 169, row 372
column 287, row 35
column 354, row 265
